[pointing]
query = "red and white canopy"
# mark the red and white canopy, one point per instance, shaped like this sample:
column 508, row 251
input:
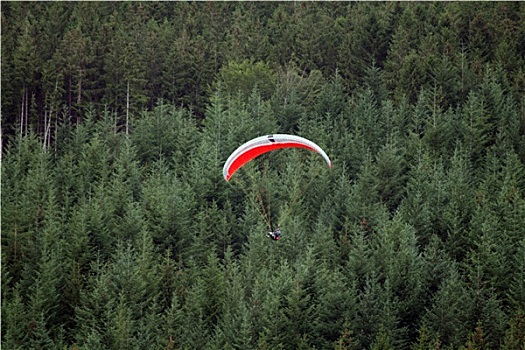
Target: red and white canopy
column 264, row 144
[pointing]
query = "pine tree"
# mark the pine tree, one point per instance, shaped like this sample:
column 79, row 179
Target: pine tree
column 405, row 66
column 425, row 340
column 46, row 307
column 425, row 198
column 124, row 74
column 234, row 329
column 476, row 339
column 75, row 56
column 296, row 90
column 243, row 77
column 246, row 36
column 25, row 68
column 335, row 305
column 166, row 133
column 397, row 261
column 169, row 209
column 515, row 335
column 15, row 320
column 516, row 292
column 172, row 323
column 120, row 303
column 450, row 311
column 318, row 36
column 461, row 205
column 367, row 30
column 195, row 330
column 391, row 170
column 283, row 42
column 382, row 341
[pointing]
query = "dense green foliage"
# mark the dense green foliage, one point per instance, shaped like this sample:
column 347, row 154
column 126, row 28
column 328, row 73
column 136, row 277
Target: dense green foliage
column 119, row 232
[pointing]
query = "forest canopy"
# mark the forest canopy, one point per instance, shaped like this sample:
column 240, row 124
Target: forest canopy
column 119, row 231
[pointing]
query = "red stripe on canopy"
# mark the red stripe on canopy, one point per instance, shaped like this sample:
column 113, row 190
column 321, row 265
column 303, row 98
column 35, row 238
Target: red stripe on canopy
column 251, row 153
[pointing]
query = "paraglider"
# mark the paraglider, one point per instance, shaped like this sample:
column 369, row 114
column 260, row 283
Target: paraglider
column 275, row 234
column 259, row 146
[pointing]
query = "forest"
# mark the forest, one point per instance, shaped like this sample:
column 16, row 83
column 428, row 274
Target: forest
column 118, row 230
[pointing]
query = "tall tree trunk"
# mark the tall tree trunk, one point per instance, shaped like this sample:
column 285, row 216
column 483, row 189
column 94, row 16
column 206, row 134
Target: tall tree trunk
column 56, row 130
column 79, row 94
column 127, row 110
column 1, row 143
column 45, row 130
column 26, row 111
column 69, row 96
column 22, row 115
column 49, row 132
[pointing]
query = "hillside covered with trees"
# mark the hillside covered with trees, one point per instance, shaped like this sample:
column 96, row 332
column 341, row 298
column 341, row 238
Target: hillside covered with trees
column 119, row 231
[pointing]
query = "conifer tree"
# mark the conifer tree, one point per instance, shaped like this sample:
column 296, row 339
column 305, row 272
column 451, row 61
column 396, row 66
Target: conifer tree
column 243, row 77
column 458, row 212
column 516, row 292
column 166, row 133
column 120, row 321
column 247, row 36
column 120, row 305
column 495, row 233
column 397, row 260
column 404, row 68
column 172, row 323
column 450, row 311
column 75, row 55
column 425, row 340
column 15, row 319
column 124, row 76
column 168, row 208
column 318, row 36
column 196, row 330
column 284, row 39
column 25, row 67
column 476, row 339
column 437, row 267
column 374, row 308
column 46, row 307
column 382, row 341
column 332, row 100
column 234, row 329
column 391, row 170
column 90, row 314
column 426, row 197
column 16, row 221
column 515, row 335
column 366, row 31
column 490, row 117
column 335, row 304
column 368, row 127
column 39, row 334
column 78, row 256
column 300, row 303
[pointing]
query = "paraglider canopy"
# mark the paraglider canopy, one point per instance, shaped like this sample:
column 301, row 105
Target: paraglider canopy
column 264, row 144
